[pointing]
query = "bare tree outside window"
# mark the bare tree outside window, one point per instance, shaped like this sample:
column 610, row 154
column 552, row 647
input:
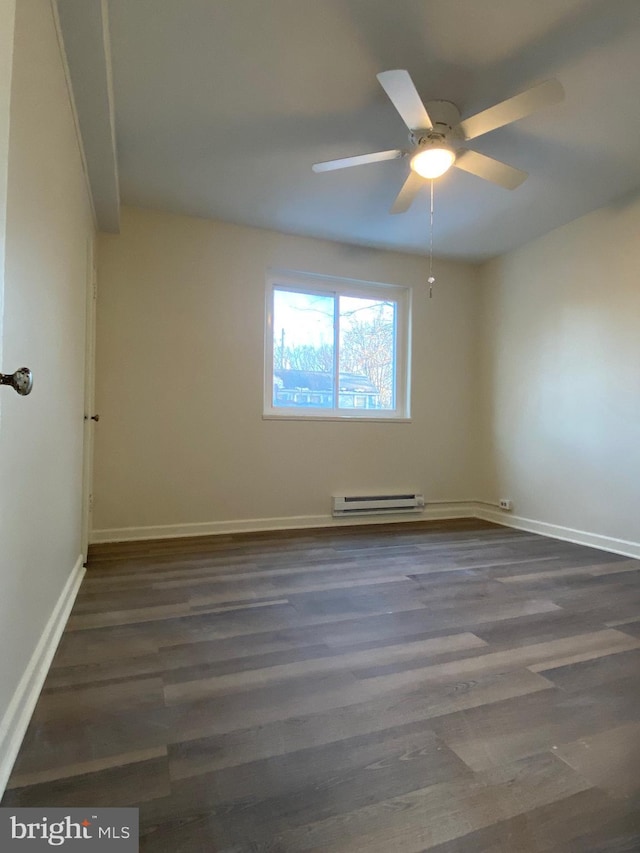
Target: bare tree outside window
column 367, row 343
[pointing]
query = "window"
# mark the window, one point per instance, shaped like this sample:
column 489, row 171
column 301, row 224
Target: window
column 336, row 348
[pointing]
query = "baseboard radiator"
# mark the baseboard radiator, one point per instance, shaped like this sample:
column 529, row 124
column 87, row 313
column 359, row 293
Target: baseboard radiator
column 351, row 505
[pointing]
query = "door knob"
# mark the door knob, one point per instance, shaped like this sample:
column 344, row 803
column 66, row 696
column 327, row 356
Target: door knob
column 95, row 418
column 21, row 381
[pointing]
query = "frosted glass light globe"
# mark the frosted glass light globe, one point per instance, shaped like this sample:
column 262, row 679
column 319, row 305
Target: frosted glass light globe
column 433, row 162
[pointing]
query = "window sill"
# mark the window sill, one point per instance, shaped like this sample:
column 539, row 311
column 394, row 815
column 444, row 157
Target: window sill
column 336, row 419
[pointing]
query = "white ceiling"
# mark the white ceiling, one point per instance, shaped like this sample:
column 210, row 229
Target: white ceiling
column 222, row 106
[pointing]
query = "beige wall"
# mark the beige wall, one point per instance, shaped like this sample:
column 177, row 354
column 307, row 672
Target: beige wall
column 180, row 340
column 7, row 22
column 48, row 229
column 561, row 386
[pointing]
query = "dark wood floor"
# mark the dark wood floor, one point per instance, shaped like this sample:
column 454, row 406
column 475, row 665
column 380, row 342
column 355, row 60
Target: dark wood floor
column 455, row 687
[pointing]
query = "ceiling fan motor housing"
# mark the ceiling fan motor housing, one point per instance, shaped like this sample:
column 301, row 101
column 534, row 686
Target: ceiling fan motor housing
column 430, row 138
column 446, row 118
column 443, row 112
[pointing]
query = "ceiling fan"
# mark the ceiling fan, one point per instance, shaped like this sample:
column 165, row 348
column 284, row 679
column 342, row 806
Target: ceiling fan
column 437, row 134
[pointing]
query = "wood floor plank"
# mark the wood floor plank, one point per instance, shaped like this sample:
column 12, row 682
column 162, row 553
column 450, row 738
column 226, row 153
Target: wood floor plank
column 101, row 646
column 238, row 746
column 96, row 672
column 614, row 833
column 127, row 695
column 127, row 785
column 78, row 621
column 83, row 768
column 546, row 829
column 580, row 677
column 590, row 645
column 441, row 618
column 81, row 737
column 597, row 570
column 227, row 713
column 417, row 651
column 318, row 782
column 418, row 821
column 609, row 759
column 536, row 723
column 618, row 645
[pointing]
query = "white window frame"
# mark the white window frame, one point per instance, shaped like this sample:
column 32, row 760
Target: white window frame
column 330, row 285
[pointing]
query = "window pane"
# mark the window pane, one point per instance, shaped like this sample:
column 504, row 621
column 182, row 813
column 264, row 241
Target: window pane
column 303, row 350
column 337, row 348
column 367, row 353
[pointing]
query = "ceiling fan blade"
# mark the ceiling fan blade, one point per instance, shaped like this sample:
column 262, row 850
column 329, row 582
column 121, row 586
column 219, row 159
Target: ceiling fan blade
column 491, row 170
column 359, row 160
column 405, row 98
column 543, row 95
column 409, row 190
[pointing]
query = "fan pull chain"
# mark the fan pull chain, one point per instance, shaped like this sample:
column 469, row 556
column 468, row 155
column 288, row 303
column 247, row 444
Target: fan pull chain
column 431, row 280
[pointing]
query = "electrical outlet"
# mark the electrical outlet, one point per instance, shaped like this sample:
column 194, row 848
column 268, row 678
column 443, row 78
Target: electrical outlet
column 505, row 503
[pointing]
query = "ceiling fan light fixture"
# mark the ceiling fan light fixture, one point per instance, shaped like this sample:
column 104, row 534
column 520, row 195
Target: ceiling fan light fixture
column 433, row 161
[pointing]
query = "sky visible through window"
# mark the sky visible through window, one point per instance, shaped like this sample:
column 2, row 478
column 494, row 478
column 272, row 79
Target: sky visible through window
column 305, row 318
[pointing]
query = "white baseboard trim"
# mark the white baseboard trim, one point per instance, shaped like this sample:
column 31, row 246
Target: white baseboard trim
column 17, row 716
column 557, row 531
column 432, row 512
